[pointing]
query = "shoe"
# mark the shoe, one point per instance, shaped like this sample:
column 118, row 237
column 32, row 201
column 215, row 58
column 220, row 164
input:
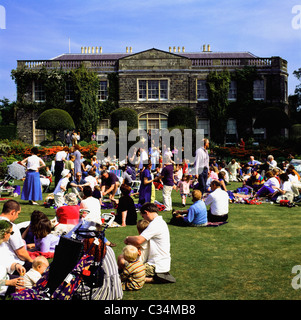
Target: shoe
column 183, row 205
column 165, row 277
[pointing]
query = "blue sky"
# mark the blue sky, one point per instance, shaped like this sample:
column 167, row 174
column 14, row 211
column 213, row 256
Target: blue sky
column 40, row 29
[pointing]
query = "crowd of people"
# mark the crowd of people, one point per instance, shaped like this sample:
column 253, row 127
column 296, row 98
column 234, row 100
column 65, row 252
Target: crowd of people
column 82, row 188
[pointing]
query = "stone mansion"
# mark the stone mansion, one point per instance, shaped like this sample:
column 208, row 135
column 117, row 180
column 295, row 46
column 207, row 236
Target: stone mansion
column 155, row 81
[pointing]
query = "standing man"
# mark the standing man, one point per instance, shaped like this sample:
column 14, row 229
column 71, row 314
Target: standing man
column 157, row 233
column 168, row 182
column 15, row 246
column 201, row 165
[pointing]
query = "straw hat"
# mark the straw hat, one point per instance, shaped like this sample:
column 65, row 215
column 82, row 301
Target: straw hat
column 71, row 199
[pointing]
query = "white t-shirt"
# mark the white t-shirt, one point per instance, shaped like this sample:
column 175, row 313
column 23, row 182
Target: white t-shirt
column 218, row 200
column 62, row 183
column 286, row 186
column 157, row 233
column 60, row 156
column 272, row 182
column 92, row 180
column 33, row 162
column 31, row 277
column 93, row 205
column 8, row 248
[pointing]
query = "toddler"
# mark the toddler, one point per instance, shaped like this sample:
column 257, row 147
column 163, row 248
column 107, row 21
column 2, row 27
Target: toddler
column 133, row 273
column 144, row 247
column 184, row 187
column 32, row 276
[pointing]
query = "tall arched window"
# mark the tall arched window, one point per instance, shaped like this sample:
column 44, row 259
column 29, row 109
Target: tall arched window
column 148, row 121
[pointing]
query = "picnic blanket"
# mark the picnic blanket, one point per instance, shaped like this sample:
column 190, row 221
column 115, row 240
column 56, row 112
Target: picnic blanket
column 216, row 224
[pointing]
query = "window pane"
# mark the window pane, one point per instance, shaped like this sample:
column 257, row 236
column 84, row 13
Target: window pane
column 69, row 91
column 153, row 124
column 258, row 90
column 142, row 89
column 232, row 90
column 231, row 126
column 143, row 124
column 39, row 91
column 153, row 90
column 202, row 90
column 163, row 90
column 205, row 125
column 163, row 124
column 103, row 90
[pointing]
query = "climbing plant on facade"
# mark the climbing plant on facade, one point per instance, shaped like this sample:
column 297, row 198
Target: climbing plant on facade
column 218, row 88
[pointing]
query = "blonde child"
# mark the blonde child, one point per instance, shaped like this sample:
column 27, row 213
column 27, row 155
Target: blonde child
column 133, row 273
column 184, row 187
column 39, row 265
column 144, row 247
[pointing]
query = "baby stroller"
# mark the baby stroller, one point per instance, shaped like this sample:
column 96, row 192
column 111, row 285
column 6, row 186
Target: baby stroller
column 15, row 171
column 76, row 266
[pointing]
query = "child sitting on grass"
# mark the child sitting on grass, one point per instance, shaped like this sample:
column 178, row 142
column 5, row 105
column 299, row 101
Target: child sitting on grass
column 132, row 273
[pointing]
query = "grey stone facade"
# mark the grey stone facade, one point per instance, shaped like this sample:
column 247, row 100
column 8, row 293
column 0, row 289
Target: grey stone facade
column 181, row 71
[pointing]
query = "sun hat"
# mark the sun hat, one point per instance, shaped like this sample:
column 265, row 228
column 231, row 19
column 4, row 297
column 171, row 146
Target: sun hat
column 71, row 199
column 65, row 172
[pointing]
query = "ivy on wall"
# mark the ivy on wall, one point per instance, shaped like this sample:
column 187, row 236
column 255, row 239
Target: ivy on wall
column 218, row 88
column 85, row 110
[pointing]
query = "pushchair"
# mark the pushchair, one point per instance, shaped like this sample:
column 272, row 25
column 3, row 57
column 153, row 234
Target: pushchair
column 15, row 171
column 76, row 268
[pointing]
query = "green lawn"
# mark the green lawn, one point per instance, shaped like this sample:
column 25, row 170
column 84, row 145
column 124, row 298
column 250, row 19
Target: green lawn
column 250, row 258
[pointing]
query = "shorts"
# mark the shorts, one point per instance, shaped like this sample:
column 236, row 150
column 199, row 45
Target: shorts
column 149, row 270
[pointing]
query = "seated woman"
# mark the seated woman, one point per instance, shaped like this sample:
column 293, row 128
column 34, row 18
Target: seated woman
column 195, row 216
column 221, row 179
column 8, row 282
column 285, row 190
column 269, row 186
column 126, row 210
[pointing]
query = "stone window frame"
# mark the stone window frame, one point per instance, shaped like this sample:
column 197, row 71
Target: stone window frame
column 38, row 89
column 201, row 93
column 161, row 116
column 102, row 94
column 259, row 91
column 147, row 89
column 69, row 92
column 207, row 129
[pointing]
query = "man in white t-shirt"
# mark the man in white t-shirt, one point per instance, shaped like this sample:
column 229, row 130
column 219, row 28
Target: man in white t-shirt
column 15, row 247
column 157, row 233
column 218, row 200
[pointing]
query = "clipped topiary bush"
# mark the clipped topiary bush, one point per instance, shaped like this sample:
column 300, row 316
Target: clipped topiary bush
column 182, row 117
column 55, row 120
column 124, row 114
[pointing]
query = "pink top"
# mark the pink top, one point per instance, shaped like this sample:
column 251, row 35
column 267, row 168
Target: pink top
column 184, row 187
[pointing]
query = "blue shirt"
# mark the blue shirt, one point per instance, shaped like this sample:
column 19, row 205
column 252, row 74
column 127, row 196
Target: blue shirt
column 197, row 213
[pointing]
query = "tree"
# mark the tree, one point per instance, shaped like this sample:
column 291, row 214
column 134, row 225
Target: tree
column 7, row 110
column 86, row 109
column 181, row 116
column 55, row 120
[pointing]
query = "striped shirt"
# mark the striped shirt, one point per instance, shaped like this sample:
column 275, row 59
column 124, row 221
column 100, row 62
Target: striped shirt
column 133, row 276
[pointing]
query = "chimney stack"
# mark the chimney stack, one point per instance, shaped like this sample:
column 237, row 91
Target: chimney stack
column 82, row 49
column 183, row 49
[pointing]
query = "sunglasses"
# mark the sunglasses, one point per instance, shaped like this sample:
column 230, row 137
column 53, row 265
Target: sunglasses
column 11, row 232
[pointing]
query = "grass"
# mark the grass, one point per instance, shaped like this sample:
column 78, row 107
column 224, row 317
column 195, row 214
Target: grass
column 250, row 258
